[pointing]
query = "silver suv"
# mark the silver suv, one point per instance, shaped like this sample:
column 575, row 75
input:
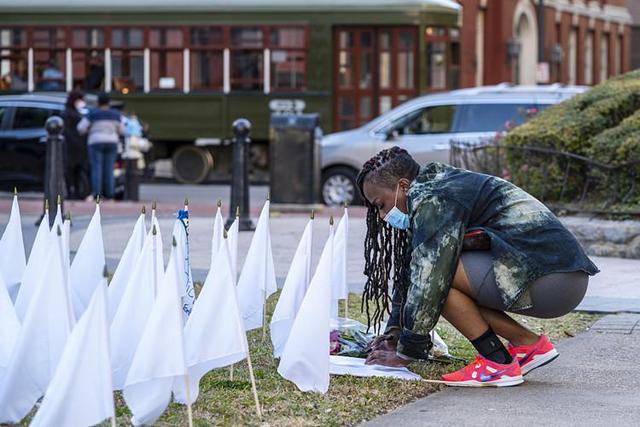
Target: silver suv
column 425, row 126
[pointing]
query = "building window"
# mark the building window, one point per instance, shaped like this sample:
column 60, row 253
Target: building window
column 288, row 58
column 127, row 59
column 588, row 59
column 604, row 57
column 443, row 58
column 88, row 67
column 573, row 57
column 166, row 50
column 247, row 58
column 49, row 57
column 206, row 58
column 13, row 59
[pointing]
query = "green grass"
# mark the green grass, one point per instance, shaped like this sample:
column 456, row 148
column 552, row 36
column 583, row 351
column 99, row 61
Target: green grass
column 350, row 400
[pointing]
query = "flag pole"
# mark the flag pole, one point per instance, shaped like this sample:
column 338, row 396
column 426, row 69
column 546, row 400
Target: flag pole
column 264, row 317
column 346, row 299
column 253, row 385
column 231, row 372
column 188, row 393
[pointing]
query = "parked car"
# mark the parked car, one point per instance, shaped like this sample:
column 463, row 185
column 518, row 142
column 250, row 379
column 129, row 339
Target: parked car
column 426, row 126
column 23, row 141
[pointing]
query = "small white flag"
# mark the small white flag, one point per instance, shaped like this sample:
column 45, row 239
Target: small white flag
column 339, row 274
column 305, row 358
column 258, row 279
column 232, row 242
column 216, row 238
column 9, row 328
column 12, row 255
column 214, row 335
column 87, row 266
column 80, row 393
column 135, row 306
column 293, row 291
column 35, row 268
column 127, row 263
column 159, row 358
column 181, row 234
column 38, row 348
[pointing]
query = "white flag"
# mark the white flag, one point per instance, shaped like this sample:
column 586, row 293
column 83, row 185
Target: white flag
column 216, row 238
column 88, row 264
column 80, row 393
column 35, row 267
column 232, row 242
column 45, row 328
column 181, row 234
column 159, row 358
column 12, row 255
column 127, row 263
column 9, row 328
column 135, row 306
column 214, row 335
column 57, row 221
column 258, row 279
column 339, row 273
column 305, row 358
column 295, row 286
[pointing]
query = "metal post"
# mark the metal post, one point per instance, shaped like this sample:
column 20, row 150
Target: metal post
column 131, row 179
column 240, row 176
column 54, row 185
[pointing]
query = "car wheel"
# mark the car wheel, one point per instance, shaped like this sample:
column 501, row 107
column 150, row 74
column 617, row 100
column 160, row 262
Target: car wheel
column 191, row 164
column 339, row 186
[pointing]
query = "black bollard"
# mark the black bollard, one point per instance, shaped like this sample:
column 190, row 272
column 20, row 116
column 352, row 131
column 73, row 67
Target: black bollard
column 240, row 176
column 131, row 180
column 54, row 185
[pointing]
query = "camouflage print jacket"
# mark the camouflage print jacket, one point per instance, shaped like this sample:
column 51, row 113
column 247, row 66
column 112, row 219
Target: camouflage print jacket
column 527, row 242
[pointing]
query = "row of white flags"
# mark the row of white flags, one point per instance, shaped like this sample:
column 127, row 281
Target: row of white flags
column 126, row 334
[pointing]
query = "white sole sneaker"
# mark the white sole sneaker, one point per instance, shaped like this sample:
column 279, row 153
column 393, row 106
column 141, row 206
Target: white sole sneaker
column 504, row 381
column 539, row 360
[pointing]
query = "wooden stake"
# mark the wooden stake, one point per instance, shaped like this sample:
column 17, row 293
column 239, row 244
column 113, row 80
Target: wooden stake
column 231, row 372
column 253, row 386
column 113, row 420
column 264, row 317
column 188, row 392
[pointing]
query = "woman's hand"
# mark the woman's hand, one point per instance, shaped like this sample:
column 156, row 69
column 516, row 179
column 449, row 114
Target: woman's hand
column 386, row 358
column 386, row 342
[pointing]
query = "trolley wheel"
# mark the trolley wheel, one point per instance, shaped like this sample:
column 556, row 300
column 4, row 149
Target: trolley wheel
column 191, row 164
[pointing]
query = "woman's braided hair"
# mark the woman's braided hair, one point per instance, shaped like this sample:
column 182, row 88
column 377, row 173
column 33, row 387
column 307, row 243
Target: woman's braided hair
column 385, row 248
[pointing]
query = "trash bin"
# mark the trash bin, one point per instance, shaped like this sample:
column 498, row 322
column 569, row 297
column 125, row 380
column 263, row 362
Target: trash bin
column 294, row 158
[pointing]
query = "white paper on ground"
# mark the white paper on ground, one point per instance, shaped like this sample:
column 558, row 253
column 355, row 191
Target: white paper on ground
column 88, row 265
column 339, row 272
column 342, row 365
column 40, row 343
column 135, row 307
column 159, row 358
column 258, row 279
column 293, row 291
column 35, row 267
column 9, row 328
column 214, row 335
column 80, row 393
column 305, row 358
column 12, row 255
column 126, row 265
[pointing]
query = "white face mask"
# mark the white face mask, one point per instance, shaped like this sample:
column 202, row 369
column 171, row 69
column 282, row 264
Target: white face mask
column 79, row 104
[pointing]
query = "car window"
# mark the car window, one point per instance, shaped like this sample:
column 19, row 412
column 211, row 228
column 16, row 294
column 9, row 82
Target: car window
column 436, row 119
column 493, row 117
column 31, row 117
column 4, row 111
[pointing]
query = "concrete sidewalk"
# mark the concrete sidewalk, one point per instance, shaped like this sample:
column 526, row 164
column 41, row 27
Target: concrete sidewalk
column 594, row 382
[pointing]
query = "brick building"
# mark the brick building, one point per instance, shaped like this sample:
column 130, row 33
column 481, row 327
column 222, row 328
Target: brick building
column 543, row 41
column 634, row 10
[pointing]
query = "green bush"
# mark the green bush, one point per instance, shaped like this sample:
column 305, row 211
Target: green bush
column 603, row 125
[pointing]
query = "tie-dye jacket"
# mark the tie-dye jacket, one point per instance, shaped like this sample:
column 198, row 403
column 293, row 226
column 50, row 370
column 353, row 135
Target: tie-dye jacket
column 527, row 242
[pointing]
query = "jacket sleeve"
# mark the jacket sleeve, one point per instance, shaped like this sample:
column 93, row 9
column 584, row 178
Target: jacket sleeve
column 83, row 126
column 438, row 230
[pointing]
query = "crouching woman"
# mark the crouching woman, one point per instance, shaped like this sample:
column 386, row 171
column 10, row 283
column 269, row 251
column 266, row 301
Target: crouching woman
column 417, row 219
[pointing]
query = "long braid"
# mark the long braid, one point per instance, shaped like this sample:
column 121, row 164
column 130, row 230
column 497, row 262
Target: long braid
column 385, row 248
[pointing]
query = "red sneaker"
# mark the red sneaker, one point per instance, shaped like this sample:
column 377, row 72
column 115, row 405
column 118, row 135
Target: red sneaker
column 533, row 356
column 485, row 373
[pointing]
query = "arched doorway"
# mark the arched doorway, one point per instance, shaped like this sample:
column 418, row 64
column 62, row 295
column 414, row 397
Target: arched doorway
column 526, row 33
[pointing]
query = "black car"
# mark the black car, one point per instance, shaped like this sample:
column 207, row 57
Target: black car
column 23, row 141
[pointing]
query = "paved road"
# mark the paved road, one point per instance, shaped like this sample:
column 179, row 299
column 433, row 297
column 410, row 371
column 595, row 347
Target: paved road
column 594, row 382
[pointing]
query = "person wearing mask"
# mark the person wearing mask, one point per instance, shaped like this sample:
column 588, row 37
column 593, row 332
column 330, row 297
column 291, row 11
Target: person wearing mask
column 76, row 158
column 104, row 127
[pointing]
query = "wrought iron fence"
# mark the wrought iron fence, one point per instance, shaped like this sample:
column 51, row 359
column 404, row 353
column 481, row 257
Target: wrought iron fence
column 563, row 181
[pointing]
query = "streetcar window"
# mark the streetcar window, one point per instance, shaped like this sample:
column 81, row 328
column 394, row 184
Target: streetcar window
column 206, row 58
column 88, row 66
column 288, row 58
column 167, row 46
column 49, row 56
column 13, row 59
column 127, row 59
column 247, row 58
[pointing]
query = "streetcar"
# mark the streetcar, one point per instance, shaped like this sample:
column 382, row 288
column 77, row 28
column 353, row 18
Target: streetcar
column 189, row 68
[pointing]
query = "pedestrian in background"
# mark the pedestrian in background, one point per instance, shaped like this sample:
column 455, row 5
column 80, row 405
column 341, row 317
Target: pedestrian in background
column 104, row 127
column 76, row 158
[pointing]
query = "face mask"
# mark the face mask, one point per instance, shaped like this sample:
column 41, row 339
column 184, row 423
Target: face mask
column 396, row 218
column 80, row 104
